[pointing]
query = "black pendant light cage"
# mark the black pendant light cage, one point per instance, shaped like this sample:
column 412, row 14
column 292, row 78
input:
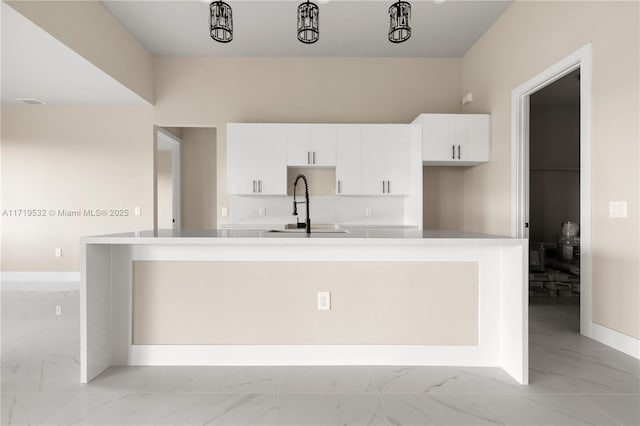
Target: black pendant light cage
column 308, row 22
column 221, row 22
column 399, row 19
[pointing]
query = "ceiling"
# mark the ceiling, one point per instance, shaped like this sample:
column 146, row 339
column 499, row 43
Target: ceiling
column 347, row 28
column 36, row 65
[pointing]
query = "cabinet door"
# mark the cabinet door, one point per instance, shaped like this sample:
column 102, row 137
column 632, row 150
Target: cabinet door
column 348, row 159
column 386, row 159
column 473, row 137
column 323, row 145
column 374, row 158
column 298, row 144
column 272, row 159
column 241, row 158
column 398, row 156
column 439, row 137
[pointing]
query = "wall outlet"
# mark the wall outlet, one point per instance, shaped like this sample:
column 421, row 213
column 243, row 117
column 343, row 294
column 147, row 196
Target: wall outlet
column 262, row 211
column 58, row 252
column 324, row 301
column 368, row 212
column 136, row 211
column 224, row 212
column 58, row 310
column 617, row 209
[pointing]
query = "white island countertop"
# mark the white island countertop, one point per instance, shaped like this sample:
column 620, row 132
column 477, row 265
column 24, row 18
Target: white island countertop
column 261, row 236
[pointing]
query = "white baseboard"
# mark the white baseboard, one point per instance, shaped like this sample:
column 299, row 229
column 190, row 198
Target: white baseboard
column 41, row 281
column 616, row 340
column 273, row 355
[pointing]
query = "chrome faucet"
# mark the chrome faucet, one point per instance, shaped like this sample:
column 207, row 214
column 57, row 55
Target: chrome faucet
column 306, row 201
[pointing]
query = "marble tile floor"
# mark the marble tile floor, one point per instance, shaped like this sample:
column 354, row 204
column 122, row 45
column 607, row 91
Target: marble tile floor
column 574, row 381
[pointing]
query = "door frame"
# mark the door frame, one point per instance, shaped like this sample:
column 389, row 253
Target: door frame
column 175, row 142
column 582, row 59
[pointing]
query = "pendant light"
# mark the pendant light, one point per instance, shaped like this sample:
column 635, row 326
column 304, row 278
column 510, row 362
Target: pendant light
column 221, row 22
column 308, row 22
column 399, row 17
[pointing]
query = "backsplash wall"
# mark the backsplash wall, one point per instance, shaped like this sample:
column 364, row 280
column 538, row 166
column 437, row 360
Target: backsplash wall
column 245, row 210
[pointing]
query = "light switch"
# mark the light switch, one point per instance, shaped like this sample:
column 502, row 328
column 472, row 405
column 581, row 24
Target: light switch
column 617, row 209
column 58, row 252
column 136, row 211
column 224, row 212
column 324, row 301
column 262, row 211
column 368, row 212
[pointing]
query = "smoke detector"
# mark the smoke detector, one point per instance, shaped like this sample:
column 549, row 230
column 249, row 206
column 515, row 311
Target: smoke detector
column 30, row 101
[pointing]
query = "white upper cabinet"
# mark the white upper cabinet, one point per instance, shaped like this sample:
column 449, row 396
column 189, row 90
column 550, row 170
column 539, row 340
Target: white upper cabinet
column 311, row 145
column 386, row 159
column 323, row 144
column 256, row 159
column 473, row 138
column 455, row 139
column 370, row 159
column 241, row 158
column 348, row 179
column 272, row 153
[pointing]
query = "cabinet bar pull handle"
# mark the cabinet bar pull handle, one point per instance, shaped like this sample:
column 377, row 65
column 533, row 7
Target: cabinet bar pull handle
column 308, row 157
column 254, row 186
column 260, row 186
column 339, row 187
column 314, row 157
column 388, row 187
column 384, row 190
column 458, row 152
column 453, row 152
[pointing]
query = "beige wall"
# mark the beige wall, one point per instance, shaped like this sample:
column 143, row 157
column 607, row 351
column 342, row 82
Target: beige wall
column 443, row 197
column 213, row 92
column 395, row 303
column 528, row 38
column 56, row 157
column 89, row 28
column 198, row 178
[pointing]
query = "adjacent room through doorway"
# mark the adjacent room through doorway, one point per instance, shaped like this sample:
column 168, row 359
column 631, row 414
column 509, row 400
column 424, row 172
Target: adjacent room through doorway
column 185, row 178
column 554, row 196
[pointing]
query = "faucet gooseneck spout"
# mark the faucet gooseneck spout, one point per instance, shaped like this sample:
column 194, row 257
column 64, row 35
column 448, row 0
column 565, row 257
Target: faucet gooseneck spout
column 306, row 200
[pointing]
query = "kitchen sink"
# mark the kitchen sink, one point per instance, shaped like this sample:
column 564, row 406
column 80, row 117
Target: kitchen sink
column 315, row 229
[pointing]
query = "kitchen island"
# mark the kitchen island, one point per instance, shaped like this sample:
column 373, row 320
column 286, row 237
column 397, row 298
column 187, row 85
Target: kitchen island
column 254, row 297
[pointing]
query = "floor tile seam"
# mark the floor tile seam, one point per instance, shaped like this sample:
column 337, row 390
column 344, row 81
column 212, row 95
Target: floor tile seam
column 3, row 394
column 177, row 393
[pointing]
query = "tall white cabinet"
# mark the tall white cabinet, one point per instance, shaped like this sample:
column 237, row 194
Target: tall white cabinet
column 348, row 157
column 256, row 159
column 373, row 159
column 386, row 159
column 455, row 139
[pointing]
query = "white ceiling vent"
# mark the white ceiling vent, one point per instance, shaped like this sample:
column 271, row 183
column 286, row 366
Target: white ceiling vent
column 30, row 101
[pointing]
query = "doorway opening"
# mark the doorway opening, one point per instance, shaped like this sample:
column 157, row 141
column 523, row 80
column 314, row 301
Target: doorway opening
column 554, row 196
column 185, row 178
column 167, row 167
column 577, row 63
